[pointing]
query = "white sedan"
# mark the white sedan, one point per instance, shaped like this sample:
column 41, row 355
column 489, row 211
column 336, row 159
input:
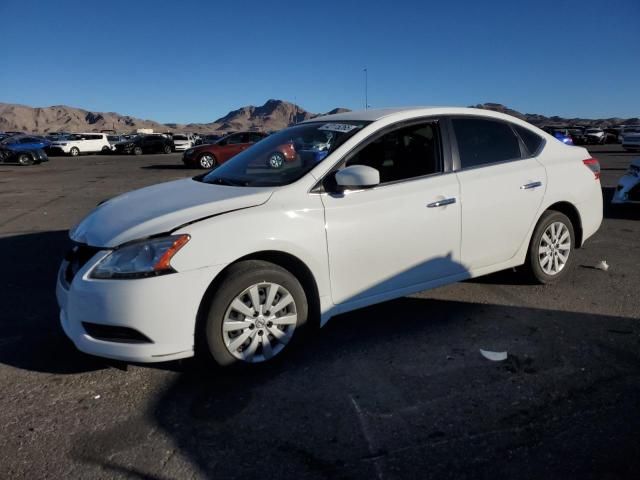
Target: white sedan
column 235, row 263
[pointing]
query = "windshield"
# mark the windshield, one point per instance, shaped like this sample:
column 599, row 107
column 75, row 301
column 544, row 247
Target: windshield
column 285, row 156
column 180, row 137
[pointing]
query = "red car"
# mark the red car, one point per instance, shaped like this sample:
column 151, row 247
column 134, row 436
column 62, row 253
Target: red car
column 212, row 155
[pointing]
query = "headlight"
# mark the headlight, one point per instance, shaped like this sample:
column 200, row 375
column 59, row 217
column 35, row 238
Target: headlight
column 148, row 258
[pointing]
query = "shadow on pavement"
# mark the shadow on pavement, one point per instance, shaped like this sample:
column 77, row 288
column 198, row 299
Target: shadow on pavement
column 400, row 389
column 30, row 334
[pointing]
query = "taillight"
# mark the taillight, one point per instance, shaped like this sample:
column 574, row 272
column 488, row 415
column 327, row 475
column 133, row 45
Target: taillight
column 593, row 165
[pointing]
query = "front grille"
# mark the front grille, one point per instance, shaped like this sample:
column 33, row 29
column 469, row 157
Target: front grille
column 111, row 333
column 77, row 257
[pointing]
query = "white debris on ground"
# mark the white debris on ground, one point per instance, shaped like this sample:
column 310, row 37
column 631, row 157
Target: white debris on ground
column 602, row 265
column 96, row 397
column 494, row 356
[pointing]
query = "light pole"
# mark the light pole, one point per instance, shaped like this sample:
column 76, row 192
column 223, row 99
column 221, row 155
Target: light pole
column 366, row 89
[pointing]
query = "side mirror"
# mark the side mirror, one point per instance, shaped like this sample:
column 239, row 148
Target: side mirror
column 358, row 176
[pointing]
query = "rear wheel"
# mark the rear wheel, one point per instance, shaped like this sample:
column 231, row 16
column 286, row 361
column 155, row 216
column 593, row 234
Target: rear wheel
column 551, row 249
column 25, row 159
column 137, row 151
column 74, row 152
column 106, row 149
column 254, row 314
column 167, row 149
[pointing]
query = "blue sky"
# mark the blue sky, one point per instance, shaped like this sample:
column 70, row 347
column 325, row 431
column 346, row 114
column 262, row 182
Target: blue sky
column 194, row 61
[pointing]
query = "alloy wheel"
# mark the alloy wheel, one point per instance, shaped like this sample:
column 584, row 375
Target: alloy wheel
column 554, row 248
column 206, row 161
column 259, row 322
column 276, row 160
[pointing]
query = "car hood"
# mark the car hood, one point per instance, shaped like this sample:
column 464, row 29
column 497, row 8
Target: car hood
column 161, row 208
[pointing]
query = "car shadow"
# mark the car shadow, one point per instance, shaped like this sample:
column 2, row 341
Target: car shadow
column 402, row 387
column 30, row 334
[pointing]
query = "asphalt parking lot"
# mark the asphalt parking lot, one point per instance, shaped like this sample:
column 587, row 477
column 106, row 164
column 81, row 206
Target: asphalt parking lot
column 398, row 390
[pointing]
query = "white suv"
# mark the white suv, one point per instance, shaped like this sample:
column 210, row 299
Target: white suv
column 234, row 263
column 183, row 142
column 78, row 143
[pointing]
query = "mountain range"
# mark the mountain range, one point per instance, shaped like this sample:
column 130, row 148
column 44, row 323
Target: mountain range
column 273, row 115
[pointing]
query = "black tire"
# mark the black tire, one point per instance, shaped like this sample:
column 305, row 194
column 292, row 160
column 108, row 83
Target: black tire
column 276, row 160
column 203, row 162
column 235, row 280
column 74, row 152
column 167, row 149
column 137, row 151
column 106, row 150
column 25, row 159
column 533, row 266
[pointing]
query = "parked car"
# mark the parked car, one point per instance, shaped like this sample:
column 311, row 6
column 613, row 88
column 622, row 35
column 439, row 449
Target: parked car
column 612, row 135
column 113, row 139
column 595, row 136
column 209, row 139
column 628, row 189
column 627, row 129
column 145, row 144
column 235, row 263
column 79, row 143
column 22, row 157
column 22, row 143
column 210, row 155
column 183, row 142
column 631, row 139
column 559, row 134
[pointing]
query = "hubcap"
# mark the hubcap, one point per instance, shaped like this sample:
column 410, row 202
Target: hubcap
column 554, row 248
column 259, row 322
column 206, row 161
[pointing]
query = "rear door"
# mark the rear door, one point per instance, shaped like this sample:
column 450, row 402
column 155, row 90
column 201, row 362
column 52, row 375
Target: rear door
column 502, row 187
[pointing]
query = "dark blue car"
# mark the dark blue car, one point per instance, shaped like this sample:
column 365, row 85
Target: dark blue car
column 24, row 142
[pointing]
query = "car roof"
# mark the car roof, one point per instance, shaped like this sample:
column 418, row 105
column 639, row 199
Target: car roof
column 402, row 113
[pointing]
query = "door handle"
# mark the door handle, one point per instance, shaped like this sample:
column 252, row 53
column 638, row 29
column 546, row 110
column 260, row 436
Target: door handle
column 528, row 186
column 442, row 203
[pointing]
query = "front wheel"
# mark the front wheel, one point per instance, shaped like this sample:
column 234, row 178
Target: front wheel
column 74, row 152
column 137, row 151
column 254, row 314
column 551, row 248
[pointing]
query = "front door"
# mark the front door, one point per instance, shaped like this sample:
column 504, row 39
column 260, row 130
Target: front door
column 402, row 233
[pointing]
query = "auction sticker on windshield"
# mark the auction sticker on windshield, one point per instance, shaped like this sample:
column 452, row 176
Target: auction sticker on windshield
column 338, row 127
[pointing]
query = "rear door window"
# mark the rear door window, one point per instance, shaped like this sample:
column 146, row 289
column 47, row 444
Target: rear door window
column 484, row 141
column 532, row 141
